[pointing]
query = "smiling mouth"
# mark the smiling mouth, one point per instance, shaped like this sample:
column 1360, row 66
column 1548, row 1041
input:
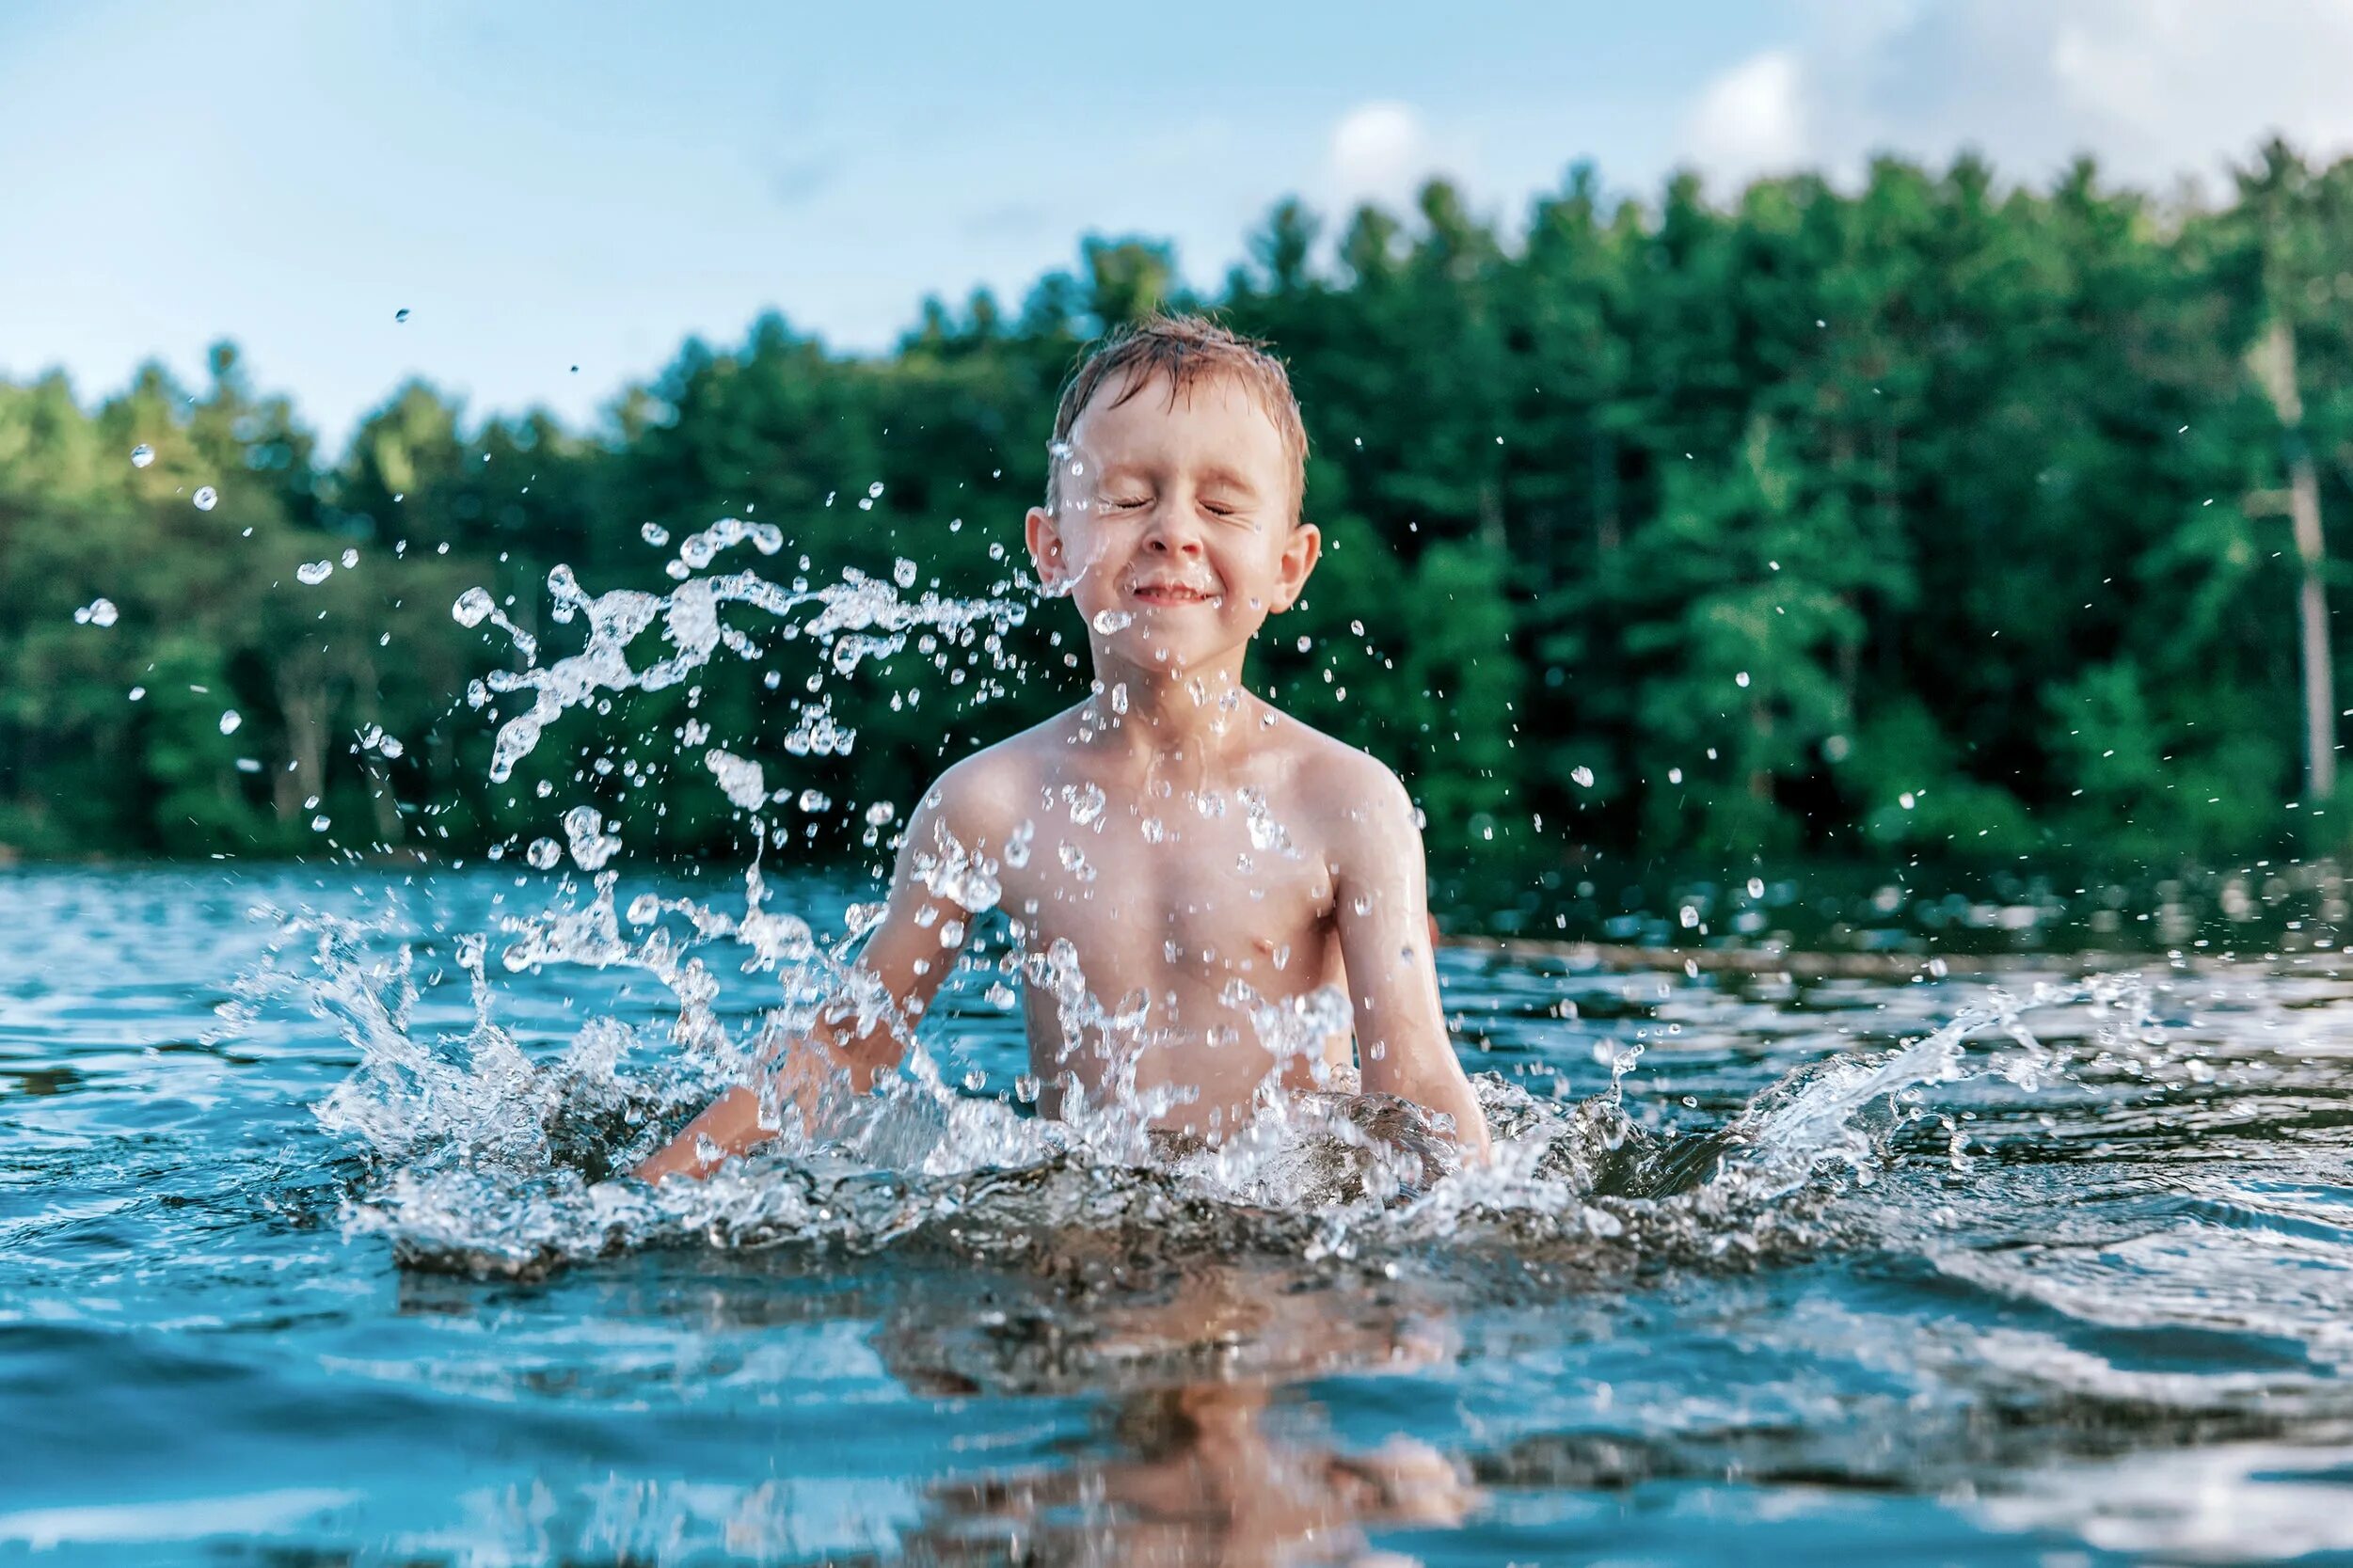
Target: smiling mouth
column 1172, row 594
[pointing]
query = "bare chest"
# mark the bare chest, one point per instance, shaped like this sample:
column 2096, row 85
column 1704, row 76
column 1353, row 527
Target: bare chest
column 1203, row 906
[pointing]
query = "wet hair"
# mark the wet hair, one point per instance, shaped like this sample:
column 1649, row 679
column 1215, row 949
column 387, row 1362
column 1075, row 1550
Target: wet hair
column 1186, row 350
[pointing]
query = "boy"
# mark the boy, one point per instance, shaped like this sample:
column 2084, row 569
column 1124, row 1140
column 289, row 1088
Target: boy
column 1207, row 864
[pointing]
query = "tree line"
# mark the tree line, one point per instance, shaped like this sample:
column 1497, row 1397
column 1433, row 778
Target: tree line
column 1930, row 518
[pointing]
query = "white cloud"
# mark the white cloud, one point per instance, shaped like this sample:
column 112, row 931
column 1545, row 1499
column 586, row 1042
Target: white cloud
column 1379, row 153
column 2153, row 88
column 1750, row 121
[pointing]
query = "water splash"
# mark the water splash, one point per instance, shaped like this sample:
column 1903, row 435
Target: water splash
column 856, row 619
column 483, row 1157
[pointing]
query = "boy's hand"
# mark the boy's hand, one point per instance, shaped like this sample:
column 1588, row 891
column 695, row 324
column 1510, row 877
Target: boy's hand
column 903, row 957
column 796, row 1085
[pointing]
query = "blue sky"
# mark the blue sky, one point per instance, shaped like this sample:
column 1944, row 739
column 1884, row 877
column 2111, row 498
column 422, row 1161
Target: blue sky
column 546, row 185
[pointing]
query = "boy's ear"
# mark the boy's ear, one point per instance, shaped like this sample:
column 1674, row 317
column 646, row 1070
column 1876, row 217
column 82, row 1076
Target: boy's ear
column 1301, row 552
column 1044, row 538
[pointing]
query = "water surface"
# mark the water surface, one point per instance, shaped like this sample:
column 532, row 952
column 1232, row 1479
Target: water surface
column 2074, row 1290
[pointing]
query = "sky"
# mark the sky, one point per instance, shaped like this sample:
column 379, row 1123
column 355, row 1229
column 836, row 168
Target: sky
column 543, row 187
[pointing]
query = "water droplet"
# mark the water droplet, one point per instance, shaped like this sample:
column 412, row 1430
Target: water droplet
column 654, row 535
column 874, row 491
column 1108, row 621
column 472, row 608
column 903, row 573
column 591, row 844
column 1755, row 887
column 401, row 314
column 321, row 824
column 739, row 778
column 137, row 692
column 98, row 613
column 1155, row 831
column 814, row 799
column 1085, row 803
column 206, row 499
column 880, row 813
column 1741, row 679
column 544, row 853
column 313, row 573
column 141, row 455
column 230, row 720
column 1584, row 776
column 351, row 559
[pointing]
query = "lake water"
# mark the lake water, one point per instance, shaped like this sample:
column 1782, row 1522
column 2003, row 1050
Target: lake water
column 2072, row 1284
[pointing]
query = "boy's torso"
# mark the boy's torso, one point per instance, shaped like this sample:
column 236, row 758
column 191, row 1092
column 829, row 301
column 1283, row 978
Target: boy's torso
column 1193, row 894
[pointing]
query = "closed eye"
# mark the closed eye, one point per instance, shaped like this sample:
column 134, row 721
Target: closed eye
column 1120, row 503
column 1217, row 509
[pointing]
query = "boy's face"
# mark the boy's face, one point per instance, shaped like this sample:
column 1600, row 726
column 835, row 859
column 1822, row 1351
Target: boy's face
column 1174, row 534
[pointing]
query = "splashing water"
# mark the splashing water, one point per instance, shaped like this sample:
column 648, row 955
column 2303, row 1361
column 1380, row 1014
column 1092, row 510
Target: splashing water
column 857, row 619
column 492, row 1162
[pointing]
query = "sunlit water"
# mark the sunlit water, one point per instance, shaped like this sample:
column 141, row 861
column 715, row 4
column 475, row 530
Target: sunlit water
column 293, row 1270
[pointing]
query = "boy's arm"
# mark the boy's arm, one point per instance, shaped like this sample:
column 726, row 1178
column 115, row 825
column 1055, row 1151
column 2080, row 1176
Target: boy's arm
column 905, row 956
column 1381, row 895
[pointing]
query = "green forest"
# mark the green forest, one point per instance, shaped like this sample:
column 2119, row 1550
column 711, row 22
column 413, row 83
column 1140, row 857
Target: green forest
column 1929, row 517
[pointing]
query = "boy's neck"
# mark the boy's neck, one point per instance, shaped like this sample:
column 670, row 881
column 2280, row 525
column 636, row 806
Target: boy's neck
column 1194, row 712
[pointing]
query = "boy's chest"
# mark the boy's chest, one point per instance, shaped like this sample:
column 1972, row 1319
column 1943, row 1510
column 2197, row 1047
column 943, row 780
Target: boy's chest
column 1181, row 899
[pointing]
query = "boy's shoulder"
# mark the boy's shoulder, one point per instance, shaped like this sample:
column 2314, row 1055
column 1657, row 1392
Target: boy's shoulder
column 984, row 796
column 1337, row 779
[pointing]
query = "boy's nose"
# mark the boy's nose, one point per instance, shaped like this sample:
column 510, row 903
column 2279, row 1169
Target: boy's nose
column 1171, row 536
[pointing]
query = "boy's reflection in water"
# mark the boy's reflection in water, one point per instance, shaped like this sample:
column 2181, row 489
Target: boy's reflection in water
column 1215, row 1467
column 1209, row 1482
